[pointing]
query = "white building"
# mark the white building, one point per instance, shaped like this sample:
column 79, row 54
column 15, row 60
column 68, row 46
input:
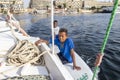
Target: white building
column 16, row 4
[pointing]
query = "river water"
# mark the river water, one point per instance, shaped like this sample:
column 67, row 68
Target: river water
column 87, row 32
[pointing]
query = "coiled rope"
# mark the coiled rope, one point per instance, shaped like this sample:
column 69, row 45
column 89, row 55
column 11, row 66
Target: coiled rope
column 31, row 61
column 24, row 52
column 107, row 34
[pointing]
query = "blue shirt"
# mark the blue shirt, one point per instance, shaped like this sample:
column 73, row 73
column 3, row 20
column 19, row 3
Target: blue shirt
column 65, row 48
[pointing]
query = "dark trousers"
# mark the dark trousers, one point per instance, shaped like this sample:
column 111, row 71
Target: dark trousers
column 64, row 60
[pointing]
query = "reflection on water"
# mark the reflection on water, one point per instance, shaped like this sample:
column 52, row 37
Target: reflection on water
column 26, row 20
column 87, row 32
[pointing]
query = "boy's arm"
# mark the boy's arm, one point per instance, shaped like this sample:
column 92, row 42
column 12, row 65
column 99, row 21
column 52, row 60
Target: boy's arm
column 74, row 61
column 40, row 41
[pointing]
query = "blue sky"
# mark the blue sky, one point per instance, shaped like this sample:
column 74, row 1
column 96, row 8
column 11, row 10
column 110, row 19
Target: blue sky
column 26, row 2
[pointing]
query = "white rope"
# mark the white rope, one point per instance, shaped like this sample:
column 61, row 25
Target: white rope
column 31, row 61
column 24, row 52
column 12, row 30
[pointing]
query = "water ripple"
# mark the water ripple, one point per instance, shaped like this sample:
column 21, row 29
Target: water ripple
column 87, row 32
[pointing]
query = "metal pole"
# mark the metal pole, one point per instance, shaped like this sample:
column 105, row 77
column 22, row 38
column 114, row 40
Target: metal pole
column 52, row 18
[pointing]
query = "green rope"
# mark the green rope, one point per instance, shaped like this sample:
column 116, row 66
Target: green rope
column 107, row 34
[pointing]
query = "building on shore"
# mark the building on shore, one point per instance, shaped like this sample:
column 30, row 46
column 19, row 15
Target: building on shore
column 69, row 3
column 16, row 5
column 40, row 4
column 58, row 4
column 73, row 4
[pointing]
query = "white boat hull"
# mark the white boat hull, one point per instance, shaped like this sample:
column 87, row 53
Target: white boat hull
column 53, row 66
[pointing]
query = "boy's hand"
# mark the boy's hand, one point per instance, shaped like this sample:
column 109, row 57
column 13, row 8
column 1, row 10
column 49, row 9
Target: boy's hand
column 98, row 59
column 77, row 67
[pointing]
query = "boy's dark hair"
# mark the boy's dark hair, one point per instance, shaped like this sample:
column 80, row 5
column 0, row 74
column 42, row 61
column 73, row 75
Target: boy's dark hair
column 63, row 30
column 55, row 21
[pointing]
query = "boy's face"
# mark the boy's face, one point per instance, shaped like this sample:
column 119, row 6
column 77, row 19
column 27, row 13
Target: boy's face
column 55, row 24
column 62, row 36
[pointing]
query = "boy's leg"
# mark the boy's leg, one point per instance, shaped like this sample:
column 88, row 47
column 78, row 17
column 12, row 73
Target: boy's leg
column 64, row 61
